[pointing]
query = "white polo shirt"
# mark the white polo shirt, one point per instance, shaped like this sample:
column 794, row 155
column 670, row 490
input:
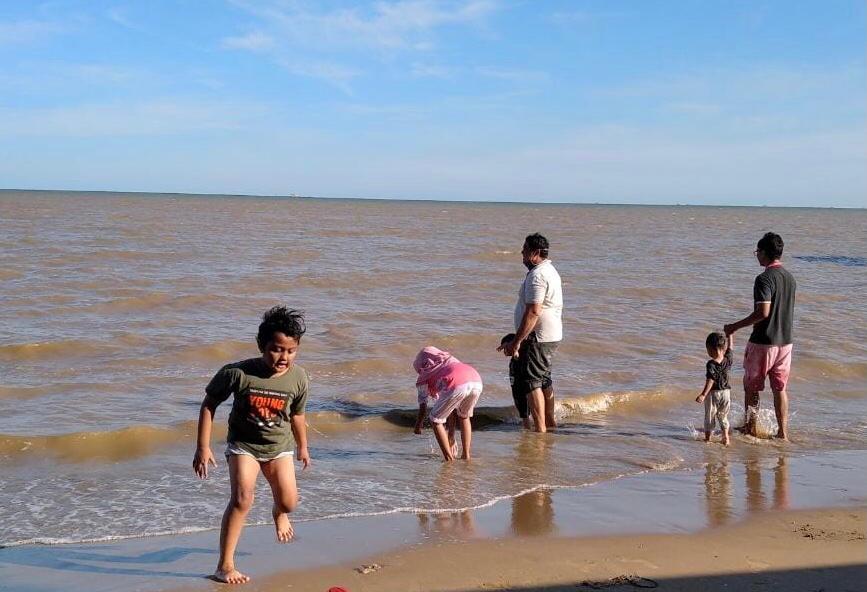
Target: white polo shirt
column 542, row 285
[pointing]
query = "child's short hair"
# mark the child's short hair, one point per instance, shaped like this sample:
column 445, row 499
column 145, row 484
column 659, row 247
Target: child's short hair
column 280, row 319
column 507, row 338
column 716, row 340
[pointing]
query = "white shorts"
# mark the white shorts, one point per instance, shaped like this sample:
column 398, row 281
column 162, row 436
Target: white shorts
column 462, row 399
column 233, row 449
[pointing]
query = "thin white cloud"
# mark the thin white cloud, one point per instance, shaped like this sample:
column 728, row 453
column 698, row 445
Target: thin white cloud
column 28, row 31
column 58, row 77
column 385, row 25
column 310, row 40
column 421, row 70
column 145, row 118
column 118, row 16
column 254, row 41
column 513, row 75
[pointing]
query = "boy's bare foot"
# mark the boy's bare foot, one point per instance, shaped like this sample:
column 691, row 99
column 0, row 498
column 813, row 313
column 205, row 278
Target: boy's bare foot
column 285, row 532
column 782, row 436
column 230, row 576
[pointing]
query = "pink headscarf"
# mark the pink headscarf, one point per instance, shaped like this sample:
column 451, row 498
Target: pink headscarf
column 429, row 362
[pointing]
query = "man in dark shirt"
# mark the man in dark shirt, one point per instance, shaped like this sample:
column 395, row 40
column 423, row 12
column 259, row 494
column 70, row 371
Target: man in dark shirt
column 769, row 350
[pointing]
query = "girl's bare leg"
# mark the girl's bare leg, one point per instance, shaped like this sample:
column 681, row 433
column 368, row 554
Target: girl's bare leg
column 243, row 471
column 443, row 440
column 280, row 474
column 466, row 436
column 450, row 427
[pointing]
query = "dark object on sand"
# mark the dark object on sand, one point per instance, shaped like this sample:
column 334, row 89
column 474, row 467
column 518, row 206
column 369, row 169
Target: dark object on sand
column 634, row 581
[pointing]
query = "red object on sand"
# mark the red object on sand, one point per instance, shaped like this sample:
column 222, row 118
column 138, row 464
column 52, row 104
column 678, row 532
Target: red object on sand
column 337, row 589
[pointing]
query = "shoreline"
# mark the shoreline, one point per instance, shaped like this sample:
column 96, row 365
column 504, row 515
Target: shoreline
column 653, row 507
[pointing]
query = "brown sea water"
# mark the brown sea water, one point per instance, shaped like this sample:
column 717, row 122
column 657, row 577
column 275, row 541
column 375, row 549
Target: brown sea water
column 116, row 309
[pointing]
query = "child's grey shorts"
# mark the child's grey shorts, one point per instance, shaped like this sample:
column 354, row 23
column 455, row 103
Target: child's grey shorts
column 716, row 409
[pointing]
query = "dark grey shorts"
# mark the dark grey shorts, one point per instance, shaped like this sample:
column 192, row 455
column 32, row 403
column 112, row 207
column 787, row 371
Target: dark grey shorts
column 534, row 364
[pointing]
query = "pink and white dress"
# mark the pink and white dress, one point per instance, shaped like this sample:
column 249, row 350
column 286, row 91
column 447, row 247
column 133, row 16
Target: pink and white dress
column 446, row 384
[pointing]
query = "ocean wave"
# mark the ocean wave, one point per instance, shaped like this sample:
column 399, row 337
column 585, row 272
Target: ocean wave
column 17, row 352
column 342, row 416
column 108, row 446
column 815, row 368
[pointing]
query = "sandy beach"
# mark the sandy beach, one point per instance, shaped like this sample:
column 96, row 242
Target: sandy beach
column 801, row 528
column 796, row 551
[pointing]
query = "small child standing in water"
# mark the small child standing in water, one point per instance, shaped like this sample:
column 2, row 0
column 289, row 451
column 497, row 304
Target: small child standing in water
column 455, row 388
column 270, row 393
column 520, row 389
column 716, row 394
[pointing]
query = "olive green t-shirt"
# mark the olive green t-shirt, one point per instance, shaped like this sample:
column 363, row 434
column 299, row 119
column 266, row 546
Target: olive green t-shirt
column 259, row 421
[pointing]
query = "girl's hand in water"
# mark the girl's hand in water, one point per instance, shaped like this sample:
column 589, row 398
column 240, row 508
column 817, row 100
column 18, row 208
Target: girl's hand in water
column 201, row 460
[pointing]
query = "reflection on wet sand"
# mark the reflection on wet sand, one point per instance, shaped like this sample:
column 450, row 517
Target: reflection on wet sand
column 451, row 524
column 533, row 512
column 718, row 489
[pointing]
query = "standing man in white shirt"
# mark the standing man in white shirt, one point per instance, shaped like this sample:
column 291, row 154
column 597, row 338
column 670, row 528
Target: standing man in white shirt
column 538, row 330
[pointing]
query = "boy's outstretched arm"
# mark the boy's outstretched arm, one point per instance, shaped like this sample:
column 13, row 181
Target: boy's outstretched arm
column 204, row 456
column 730, row 344
column 299, row 431
column 419, row 420
column 708, row 385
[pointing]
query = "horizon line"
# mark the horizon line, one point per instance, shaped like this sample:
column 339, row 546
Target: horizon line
column 428, row 200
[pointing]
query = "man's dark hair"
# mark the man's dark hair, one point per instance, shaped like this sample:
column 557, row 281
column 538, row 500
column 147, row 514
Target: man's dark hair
column 716, row 340
column 537, row 242
column 280, row 319
column 507, row 339
column 772, row 245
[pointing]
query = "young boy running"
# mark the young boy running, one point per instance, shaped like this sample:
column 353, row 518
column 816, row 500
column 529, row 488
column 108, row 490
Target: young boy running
column 270, row 393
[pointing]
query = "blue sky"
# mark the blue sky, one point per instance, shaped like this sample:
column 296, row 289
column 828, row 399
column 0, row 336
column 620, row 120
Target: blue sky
column 705, row 102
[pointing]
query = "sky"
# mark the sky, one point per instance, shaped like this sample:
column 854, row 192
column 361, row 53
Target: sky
column 702, row 102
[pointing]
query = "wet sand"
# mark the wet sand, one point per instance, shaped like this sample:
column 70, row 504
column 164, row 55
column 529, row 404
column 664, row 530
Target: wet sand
column 793, row 551
column 731, row 525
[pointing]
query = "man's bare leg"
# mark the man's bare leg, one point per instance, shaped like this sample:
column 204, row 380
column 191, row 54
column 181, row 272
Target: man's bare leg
column 443, row 440
column 550, row 421
column 466, row 436
column 243, row 471
column 536, row 399
column 280, row 474
column 751, row 411
column 781, row 410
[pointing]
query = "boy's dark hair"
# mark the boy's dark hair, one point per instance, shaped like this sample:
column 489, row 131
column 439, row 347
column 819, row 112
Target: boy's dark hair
column 716, row 340
column 772, row 245
column 280, row 319
column 507, row 338
column 537, row 242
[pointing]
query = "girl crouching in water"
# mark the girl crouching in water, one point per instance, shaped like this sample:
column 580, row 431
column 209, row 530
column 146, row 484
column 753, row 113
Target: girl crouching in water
column 453, row 389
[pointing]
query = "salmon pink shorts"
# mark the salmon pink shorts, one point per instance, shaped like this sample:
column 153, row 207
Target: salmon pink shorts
column 773, row 361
